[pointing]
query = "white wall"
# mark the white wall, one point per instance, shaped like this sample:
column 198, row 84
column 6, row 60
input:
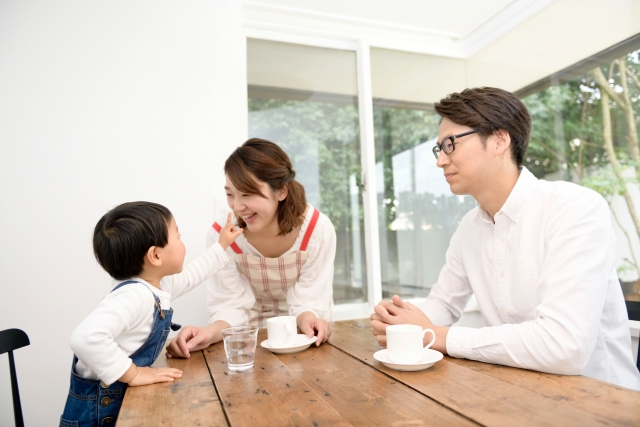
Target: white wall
column 102, row 103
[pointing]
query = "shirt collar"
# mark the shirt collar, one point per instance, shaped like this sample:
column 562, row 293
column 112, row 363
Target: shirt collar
column 521, row 192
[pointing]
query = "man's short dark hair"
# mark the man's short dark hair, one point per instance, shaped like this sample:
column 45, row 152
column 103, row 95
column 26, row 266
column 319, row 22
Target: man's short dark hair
column 123, row 236
column 487, row 110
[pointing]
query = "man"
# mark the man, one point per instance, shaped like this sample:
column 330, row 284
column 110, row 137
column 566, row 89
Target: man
column 539, row 256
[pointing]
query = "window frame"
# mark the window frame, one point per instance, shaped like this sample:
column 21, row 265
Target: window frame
column 367, row 147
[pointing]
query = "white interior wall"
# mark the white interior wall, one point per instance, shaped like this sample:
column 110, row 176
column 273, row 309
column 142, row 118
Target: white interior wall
column 296, row 66
column 415, row 77
column 102, row 103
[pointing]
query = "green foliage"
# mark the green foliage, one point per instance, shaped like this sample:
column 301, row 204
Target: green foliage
column 316, row 136
column 607, row 184
column 397, row 130
column 567, row 125
column 625, row 267
column 567, row 134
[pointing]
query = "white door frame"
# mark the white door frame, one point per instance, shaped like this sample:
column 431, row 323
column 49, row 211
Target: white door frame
column 367, row 148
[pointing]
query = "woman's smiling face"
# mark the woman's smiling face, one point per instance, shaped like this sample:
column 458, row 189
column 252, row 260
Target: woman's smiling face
column 259, row 213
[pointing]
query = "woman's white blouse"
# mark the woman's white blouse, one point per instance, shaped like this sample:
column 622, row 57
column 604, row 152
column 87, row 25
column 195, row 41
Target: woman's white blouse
column 229, row 295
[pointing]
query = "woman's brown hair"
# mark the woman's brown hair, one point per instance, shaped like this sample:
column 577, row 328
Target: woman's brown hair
column 262, row 160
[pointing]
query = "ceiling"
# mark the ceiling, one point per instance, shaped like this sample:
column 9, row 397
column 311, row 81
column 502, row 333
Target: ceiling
column 505, row 43
column 454, row 27
column 454, row 17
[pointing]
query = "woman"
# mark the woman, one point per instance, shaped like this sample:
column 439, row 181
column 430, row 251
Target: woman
column 282, row 265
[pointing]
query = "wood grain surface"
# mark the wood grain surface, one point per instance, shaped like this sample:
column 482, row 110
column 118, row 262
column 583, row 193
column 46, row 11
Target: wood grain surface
column 269, row 394
column 466, row 387
column 362, row 394
column 341, row 384
column 621, row 406
column 188, row 401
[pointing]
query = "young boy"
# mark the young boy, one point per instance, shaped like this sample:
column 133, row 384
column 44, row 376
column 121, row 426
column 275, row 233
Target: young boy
column 139, row 245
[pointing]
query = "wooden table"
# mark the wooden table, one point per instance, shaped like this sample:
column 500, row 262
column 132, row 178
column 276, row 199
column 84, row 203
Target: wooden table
column 341, row 384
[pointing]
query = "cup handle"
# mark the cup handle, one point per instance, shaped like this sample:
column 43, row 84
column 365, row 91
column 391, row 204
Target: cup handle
column 424, row 332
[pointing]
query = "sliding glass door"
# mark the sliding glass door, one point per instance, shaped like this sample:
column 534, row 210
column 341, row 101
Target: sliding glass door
column 305, row 99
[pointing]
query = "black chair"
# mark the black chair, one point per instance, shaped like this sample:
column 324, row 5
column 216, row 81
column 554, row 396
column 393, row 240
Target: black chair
column 13, row 339
column 633, row 309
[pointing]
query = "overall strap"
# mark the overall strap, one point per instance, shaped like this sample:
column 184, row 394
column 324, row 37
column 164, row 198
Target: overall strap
column 126, row 282
column 233, row 246
column 312, row 225
column 155, row 297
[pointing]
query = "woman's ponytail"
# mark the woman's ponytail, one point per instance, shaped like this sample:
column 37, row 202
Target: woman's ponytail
column 291, row 209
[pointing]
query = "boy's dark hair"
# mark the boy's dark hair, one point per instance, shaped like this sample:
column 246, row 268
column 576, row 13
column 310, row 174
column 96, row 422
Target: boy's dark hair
column 489, row 109
column 123, row 236
column 265, row 161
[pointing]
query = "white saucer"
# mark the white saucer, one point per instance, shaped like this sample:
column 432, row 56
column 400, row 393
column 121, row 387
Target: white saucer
column 302, row 342
column 429, row 358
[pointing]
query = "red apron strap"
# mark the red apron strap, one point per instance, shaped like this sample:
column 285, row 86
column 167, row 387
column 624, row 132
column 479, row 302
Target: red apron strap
column 233, row 246
column 312, row 225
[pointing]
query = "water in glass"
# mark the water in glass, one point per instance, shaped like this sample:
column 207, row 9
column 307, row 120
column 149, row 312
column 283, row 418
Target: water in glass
column 240, row 346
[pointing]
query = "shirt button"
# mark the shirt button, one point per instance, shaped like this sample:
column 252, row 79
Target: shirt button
column 502, row 274
column 502, row 311
column 105, row 401
column 501, row 240
column 107, row 420
column 103, row 385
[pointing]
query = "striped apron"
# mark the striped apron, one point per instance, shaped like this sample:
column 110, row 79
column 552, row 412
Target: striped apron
column 271, row 278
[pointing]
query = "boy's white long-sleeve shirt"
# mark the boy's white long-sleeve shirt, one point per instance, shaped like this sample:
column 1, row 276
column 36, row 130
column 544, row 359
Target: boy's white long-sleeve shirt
column 122, row 321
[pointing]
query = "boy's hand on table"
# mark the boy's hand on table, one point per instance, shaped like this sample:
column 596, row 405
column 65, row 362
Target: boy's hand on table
column 147, row 376
column 137, row 375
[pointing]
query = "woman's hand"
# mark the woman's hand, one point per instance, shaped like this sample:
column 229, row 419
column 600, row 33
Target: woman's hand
column 311, row 325
column 192, row 338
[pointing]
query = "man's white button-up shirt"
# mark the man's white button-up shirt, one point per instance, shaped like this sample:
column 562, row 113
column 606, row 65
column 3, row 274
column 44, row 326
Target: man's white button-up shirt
column 543, row 272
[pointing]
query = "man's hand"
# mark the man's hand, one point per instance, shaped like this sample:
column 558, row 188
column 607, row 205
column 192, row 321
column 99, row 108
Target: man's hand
column 311, row 325
column 398, row 312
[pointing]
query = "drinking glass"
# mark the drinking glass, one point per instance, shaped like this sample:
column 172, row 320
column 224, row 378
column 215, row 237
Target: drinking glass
column 240, row 346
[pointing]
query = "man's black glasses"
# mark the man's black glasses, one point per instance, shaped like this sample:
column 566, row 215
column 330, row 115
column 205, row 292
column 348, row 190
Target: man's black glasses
column 448, row 144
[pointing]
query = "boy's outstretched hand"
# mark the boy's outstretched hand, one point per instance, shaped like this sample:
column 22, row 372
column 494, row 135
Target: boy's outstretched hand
column 229, row 233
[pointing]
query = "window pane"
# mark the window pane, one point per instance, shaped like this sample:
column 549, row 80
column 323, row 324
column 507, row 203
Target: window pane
column 296, row 102
column 585, row 130
column 417, row 213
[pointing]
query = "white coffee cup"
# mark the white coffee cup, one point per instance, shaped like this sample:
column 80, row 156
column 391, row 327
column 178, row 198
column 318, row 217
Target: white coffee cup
column 282, row 331
column 404, row 343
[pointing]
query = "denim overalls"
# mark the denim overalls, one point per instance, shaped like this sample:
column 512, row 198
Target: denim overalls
column 91, row 402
